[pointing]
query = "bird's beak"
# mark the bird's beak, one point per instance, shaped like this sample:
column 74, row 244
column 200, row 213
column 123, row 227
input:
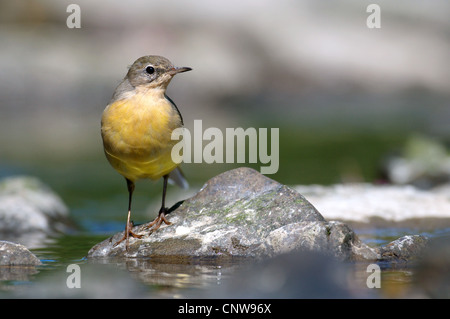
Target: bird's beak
column 176, row 70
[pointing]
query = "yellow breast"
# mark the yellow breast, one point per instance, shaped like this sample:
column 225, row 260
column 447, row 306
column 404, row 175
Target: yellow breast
column 136, row 134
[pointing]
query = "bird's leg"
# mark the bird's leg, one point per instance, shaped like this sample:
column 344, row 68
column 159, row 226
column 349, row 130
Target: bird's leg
column 162, row 211
column 129, row 225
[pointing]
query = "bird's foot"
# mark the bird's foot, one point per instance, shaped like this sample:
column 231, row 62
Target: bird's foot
column 154, row 225
column 128, row 232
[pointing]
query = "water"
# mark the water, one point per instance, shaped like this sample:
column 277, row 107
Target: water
column 175, row 278
column 190, row 277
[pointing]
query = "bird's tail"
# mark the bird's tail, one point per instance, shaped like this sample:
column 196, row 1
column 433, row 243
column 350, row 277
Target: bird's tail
column 176, row 176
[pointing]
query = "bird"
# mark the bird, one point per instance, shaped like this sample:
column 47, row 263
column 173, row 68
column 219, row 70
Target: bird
column 136, row 128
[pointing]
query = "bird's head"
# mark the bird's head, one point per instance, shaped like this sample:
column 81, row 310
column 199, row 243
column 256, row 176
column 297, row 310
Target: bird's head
column 153, row 71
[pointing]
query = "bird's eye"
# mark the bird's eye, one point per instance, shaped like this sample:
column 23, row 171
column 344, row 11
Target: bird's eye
column 150, row 69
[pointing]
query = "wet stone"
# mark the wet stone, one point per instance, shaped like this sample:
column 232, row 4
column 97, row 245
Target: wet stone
column 241, row 213
column 12, row 254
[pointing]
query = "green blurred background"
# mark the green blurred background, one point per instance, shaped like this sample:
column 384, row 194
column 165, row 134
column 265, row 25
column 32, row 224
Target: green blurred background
column 344, row 96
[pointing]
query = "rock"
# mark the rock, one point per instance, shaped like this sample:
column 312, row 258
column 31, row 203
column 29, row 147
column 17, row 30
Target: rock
column 332, row 237
column 12, row 254
column 425, row 163
column 404, row 249
column 30, row 210
column 242, row 213
column 384, row 205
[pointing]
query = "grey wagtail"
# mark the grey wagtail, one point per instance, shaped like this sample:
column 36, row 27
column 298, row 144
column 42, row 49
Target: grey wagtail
column 136, row 129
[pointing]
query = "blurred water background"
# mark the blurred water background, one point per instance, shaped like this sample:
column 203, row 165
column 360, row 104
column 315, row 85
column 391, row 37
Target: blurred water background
column 344, row 96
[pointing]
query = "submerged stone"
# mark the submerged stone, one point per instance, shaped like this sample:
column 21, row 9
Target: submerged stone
column 12, row 254
column 404, row 248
